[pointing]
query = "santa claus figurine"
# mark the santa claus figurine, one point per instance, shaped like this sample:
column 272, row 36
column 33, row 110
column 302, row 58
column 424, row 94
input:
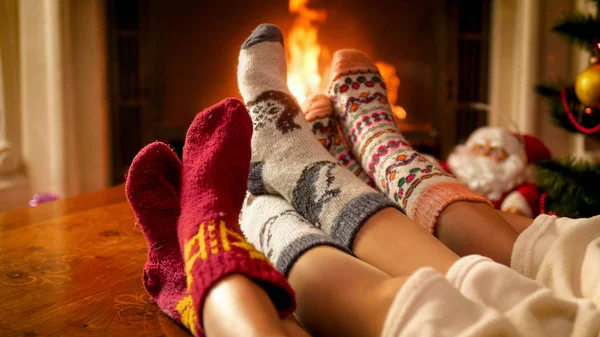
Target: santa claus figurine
column 497, row 164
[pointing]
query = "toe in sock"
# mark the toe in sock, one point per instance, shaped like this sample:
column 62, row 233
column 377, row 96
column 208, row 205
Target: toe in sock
column 214, row 177
column 287, row 159
column 421, row 189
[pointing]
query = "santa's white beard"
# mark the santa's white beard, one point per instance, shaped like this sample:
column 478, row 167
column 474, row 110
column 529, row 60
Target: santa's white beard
column 484, row 175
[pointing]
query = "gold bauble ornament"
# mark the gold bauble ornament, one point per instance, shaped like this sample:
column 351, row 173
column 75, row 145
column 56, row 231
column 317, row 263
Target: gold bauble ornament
column 587, row 86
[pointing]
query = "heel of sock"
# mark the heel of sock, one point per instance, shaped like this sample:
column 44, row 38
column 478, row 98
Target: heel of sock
column 151, row 280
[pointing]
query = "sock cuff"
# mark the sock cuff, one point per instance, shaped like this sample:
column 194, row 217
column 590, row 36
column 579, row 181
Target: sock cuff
column 356, row 213
column 437, row 197
column 217, row 252
column 301, row 245
column 259, row 271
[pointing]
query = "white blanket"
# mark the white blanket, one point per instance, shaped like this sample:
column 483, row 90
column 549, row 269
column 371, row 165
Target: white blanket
column 562, row 254
column 552, row 290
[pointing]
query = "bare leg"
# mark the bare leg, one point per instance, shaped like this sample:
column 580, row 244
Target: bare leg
column 517, row 222
column 339, row 295
column 389, row 237
column 292, row 328
column 255, row 316
column 476, row 228
column 393, row 243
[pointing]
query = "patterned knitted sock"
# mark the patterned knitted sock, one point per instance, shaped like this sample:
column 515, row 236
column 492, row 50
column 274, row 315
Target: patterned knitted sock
column 273, row 226
column 318, row 112
column 286, row 157
column 152, row 189
column 359, row 96
column 216, row 160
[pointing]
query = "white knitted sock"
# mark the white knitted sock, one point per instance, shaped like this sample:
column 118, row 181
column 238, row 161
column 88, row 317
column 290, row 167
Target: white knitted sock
column 274, row 227
column 287, row 159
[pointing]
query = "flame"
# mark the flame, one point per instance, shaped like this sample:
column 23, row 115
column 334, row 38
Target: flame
column 304, row 50
column 392, row 81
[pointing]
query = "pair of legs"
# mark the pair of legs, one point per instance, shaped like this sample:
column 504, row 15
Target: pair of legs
column 341, row 295
column 337, row 294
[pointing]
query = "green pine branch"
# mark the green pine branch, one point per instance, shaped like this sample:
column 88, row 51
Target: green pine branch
column 581, row 29
column 573, row 187
column 551, row 93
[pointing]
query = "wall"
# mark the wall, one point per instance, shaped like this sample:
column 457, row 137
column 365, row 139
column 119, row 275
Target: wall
column 555, row 62
column 14, row 184
column 89, row 92
column 53, row 57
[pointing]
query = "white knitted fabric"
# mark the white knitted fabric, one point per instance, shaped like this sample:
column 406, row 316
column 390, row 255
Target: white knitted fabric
column 287, row 159
column 274, row 227
column 481, row 298
column 562, row 254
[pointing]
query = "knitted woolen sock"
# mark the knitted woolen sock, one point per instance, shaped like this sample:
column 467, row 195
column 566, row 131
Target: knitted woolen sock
column 359, row 97
column 286, row 157
column 216, row 161
column 318, row 112
column 152, row 189
column 272, row 225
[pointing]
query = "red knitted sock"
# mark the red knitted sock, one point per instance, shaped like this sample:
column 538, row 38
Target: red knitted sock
column 216, row 164
column 152, row 190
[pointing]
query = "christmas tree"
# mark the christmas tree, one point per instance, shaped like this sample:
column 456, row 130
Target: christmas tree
column 572, row 188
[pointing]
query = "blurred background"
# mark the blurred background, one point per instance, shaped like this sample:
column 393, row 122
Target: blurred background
column 85, row 84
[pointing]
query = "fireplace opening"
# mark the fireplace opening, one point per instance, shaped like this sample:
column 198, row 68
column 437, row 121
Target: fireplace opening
column 169, row 60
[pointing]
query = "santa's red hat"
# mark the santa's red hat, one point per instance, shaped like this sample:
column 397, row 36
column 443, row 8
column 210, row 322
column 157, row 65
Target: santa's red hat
column 535, row 149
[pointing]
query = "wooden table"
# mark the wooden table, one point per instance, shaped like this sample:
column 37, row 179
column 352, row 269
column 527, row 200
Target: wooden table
column 74, row 267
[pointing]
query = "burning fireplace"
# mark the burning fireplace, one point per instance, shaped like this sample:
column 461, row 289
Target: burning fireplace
column 170, row 59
